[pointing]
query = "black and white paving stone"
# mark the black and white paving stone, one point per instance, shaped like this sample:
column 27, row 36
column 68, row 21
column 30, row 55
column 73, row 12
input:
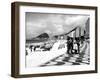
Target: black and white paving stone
column 82, row 58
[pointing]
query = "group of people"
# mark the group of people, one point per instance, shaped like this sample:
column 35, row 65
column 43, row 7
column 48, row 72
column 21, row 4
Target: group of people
column 41, row 47
column 73, row 45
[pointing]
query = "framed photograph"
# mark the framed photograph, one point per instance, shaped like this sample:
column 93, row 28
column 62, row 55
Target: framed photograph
column 53, row 39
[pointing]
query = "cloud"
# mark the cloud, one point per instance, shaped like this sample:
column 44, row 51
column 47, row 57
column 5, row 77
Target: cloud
column 53, row 24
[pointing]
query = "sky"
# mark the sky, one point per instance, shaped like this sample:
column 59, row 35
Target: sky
column 53, row 24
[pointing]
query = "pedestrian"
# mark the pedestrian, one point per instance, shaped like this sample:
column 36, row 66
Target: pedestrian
column 78, row 44
column 71, row 45
column 75, row 47
column 31, row 47
column 68, row 45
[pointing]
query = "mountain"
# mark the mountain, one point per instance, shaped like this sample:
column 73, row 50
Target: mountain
column 40, row 38
column 43, row 35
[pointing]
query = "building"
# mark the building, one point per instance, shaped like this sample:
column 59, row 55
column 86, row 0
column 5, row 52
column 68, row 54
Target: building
column 78, row 31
